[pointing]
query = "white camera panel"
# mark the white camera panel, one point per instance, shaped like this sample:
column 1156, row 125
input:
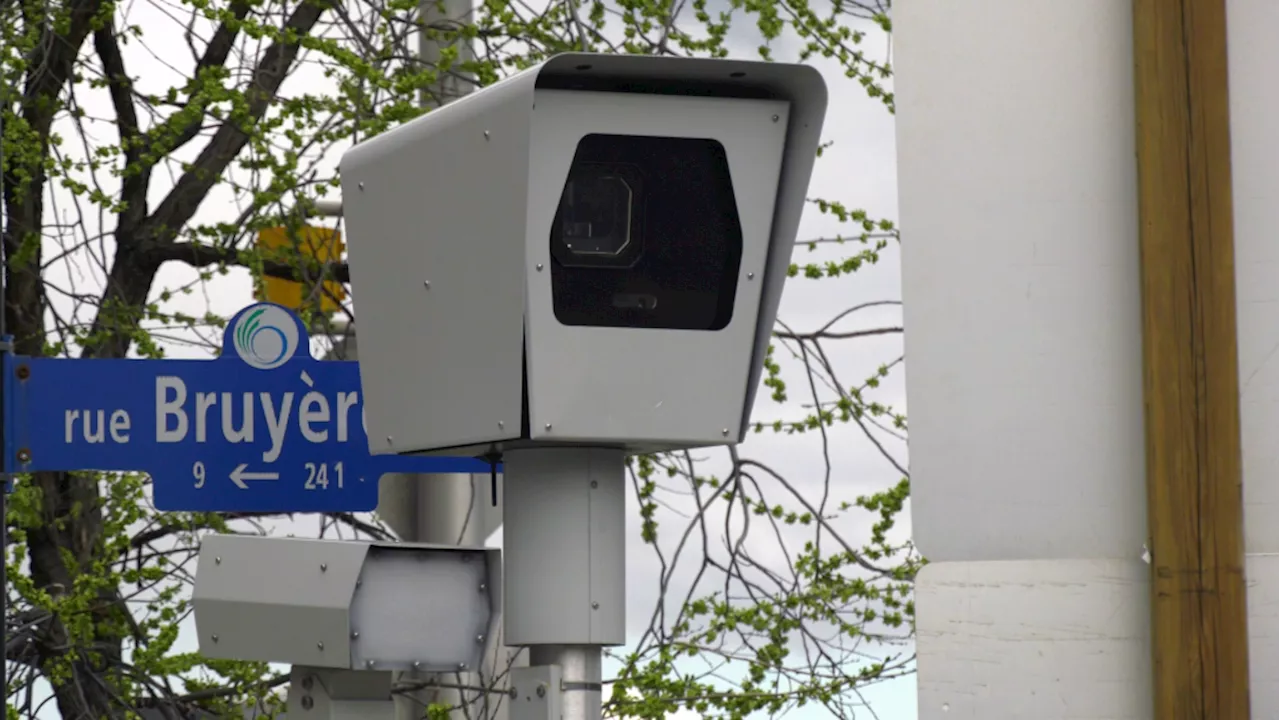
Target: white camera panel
column 660, row 386
column 341, row 604
column 423, row 610
column 437, row 210
column 276, row 599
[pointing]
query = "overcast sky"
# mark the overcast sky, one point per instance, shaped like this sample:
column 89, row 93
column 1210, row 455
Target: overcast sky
column 858, row 169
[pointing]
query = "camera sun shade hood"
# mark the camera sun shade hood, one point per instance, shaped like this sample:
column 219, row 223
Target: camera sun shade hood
column 474, row 183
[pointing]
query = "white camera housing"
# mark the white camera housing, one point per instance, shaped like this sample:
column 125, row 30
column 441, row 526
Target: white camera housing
column 480, row 331
column 346, row 604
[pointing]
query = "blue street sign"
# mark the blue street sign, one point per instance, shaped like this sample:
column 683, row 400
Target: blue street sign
column 265, row 427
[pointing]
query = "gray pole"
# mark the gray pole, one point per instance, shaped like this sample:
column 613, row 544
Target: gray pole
column 564, row 565
column 4, row 449
column 440, row 14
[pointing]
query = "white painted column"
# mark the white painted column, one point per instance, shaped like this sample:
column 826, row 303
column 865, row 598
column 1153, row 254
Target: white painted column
column 1017, row 197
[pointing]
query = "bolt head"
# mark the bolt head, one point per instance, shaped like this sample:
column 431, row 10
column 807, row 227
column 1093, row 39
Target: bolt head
column 539, row 266
column 214, row 637
column 547, row 427
column 360, row 186
column 426, row 284
column 480, row 639
column 319, row 646
column 751, row 276
column 24, row 455
column 324, row 567
column 416, row 664
column 595, row 605
column 542, row 690
column 368, row 664
column 217, row 561
column 775, row 118
column 483, row 587
column 355, row 635
column 462, row 666
column 725, row 432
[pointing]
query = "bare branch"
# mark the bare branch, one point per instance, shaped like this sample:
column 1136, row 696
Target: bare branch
column 204, row 255
column 177, row 208
column 133, row 191
column 170, row 136
column 828, row 334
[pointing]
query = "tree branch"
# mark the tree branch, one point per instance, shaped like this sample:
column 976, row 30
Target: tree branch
column 832, row 335
column 52, row 59
column 49, row 64
column 355, row 523
column 150, row 535
column 133, row 272
column 181, row 203
column 214, row 693
column 202, row 255
column 192, row 116
column 133, row 190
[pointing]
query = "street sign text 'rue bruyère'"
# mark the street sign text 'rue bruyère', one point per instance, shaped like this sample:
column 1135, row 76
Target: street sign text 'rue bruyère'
column 265, row 427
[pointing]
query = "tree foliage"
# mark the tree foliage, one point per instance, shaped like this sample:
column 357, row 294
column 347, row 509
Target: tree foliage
column 163, row 135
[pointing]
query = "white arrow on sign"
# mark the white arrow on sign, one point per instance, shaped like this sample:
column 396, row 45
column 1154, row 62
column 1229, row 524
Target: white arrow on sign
column 238, row 476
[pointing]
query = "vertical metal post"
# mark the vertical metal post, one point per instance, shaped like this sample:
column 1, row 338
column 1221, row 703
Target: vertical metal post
column 581, row 692
column 564, row 565
column 435, row 16
column 4, row 448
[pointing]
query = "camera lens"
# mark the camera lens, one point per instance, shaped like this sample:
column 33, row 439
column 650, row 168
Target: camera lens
column 596, row 218
column 646, row 235
column 596, row 222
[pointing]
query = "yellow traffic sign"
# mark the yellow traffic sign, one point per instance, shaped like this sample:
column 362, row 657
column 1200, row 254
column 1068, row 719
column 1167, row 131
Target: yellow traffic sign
column 321, row 244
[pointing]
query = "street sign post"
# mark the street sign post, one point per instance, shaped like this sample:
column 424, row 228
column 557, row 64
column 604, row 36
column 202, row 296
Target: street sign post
column 265, row 427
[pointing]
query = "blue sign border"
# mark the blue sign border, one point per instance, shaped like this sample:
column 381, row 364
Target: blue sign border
column 133, row 410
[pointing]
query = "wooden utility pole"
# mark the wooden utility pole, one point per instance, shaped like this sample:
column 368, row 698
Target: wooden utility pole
column 1190, row 377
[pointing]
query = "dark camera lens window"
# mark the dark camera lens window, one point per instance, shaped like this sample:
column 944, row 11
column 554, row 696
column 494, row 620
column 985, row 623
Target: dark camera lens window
column 646, row 235
column 595, row 224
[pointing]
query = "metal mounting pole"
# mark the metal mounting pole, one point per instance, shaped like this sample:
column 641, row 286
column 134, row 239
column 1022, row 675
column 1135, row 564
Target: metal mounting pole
column 328, row 208
column 564, row 576
column 5, row 478
column 581, row 693
column 437, row 14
